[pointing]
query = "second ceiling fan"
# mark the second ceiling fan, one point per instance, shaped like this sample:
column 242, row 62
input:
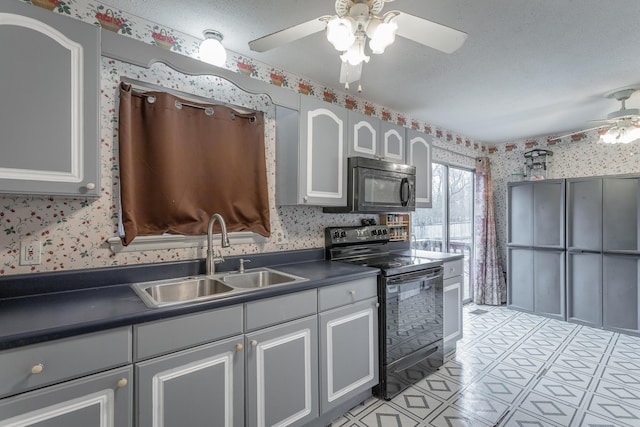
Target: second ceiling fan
column 357, row 21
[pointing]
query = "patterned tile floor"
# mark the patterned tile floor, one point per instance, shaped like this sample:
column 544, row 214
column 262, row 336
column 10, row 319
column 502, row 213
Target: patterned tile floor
column 522, row 370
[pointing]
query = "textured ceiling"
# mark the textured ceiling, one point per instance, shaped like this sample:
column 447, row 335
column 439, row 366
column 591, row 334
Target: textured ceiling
column 528, row 68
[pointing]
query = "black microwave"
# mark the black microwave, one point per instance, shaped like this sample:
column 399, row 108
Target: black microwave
column 376, row 186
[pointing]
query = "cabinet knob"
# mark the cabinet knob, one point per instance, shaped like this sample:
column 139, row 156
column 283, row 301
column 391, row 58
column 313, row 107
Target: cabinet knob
column 122, row 382
column 239, row 347
column 352, row 293
column 36, row 369
column 254, row 343
column 306, row 199
column 377, row 304
column 90, row 186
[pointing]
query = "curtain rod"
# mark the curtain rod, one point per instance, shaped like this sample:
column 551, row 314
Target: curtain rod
column 455, row 152
column 145, row 86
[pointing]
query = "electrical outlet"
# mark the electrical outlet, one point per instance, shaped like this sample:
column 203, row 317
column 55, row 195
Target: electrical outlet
column 30, row 252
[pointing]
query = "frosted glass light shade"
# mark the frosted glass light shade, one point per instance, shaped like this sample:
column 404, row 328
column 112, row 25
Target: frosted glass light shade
column 340, row 33
column 383, row 36
column 211, row 49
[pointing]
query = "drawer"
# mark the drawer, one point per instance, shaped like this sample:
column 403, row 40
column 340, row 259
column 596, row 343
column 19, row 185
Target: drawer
column 32, row 366
column 453, row 268
column 165, row 336
column 271, row 311
column 346, row 293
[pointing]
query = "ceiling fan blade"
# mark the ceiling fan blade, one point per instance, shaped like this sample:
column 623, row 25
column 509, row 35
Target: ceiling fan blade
column 350, row 73
column 288, row 35
column 429, row 33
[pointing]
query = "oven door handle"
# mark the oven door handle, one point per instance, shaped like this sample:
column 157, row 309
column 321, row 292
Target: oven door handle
column 405, row 188
column 426, row 275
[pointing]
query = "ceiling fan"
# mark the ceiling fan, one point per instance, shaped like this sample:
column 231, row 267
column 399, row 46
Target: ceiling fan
column 621, row 126
column 358, row 20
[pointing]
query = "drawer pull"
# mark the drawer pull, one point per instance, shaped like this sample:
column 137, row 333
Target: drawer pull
column 254, row 343
column 239, row 347
column 122, row 382
column 36, row 369
column 352, row 293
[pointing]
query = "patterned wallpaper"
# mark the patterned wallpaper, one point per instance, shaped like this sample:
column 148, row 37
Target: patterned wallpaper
column 73, row 232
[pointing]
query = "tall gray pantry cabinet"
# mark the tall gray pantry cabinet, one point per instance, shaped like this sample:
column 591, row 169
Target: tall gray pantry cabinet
column 603, row 252
column 536, row 247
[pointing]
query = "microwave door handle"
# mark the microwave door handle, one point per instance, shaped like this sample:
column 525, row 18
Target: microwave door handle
column 405, row 184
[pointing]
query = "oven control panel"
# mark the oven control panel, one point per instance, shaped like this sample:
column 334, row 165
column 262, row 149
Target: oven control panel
column 338, row 236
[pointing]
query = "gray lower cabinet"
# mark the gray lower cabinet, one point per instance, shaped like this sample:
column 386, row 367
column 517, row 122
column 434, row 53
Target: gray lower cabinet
column 50, row 72
column 536, row 281
column 452, row 303
column 203, row 386
column 584, row 288
column 282, row 374
column 311, row 152
column 98, row 400
column 348, row 352
column 620, row 278
column 41, row 387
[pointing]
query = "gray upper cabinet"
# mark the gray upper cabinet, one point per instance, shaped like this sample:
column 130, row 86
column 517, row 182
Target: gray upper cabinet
column 584, row 213
column 536, row 214
column 49, row 81
column 311, row 154
column 621, row 208
column 392, row 142
column 419, row 155
column 548, row 214
column 364, row 133
column 520, row 213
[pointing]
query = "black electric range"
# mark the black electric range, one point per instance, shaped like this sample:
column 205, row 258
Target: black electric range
column 410, row 314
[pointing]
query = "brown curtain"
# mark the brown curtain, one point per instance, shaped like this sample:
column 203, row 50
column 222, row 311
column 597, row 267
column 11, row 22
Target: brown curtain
column 178, row 166
column 489, row 284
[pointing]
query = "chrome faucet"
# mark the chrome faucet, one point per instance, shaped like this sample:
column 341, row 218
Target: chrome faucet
column 414, row 242
column 224, row 242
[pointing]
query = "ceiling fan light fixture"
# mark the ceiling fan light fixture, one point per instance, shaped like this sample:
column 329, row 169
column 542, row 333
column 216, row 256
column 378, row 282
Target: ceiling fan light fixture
column 621, row 134
column 211, row 49
column 340, row 33
column 355, row 55
column 383, row 36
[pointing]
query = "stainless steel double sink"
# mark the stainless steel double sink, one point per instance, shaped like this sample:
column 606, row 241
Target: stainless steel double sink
column 161, row 293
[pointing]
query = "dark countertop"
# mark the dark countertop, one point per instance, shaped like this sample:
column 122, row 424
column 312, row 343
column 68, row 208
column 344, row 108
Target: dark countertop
column 32, row 318
column 436, row 256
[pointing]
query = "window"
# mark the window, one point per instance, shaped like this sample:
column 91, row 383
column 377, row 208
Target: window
column 448, row 225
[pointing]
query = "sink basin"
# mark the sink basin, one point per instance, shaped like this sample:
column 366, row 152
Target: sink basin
column 182, row 290
column 260, row 278
column 174, row 291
